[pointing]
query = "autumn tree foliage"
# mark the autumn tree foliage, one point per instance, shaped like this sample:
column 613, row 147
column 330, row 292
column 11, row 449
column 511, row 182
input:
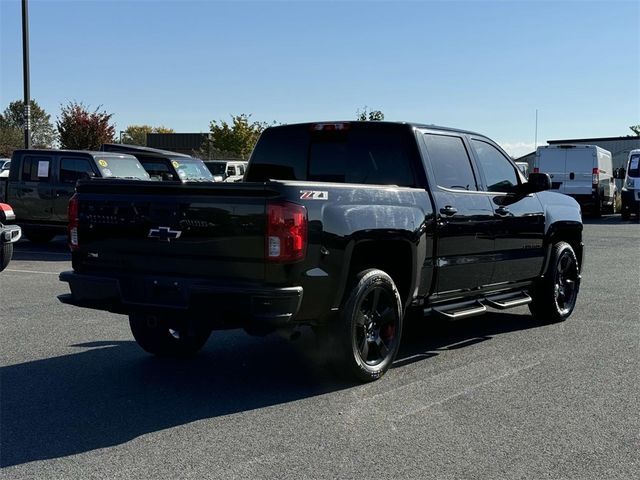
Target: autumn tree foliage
column 137, row 134
column 81, row 129
column 232, row 140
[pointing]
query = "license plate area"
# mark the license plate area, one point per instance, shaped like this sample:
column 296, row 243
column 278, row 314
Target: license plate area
column 156, row 291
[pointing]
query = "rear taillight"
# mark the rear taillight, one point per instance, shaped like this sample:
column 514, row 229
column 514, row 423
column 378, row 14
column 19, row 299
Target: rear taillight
column 595, row 179
column 73, row 222
column 6, row 213
column 536, row 170
column 286, row 238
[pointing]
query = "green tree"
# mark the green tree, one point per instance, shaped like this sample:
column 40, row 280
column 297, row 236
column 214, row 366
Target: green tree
column 80, row 129
column 43, row 134
column 369, row 115
column 635, row 129
column 232, row 140
column 137, row 134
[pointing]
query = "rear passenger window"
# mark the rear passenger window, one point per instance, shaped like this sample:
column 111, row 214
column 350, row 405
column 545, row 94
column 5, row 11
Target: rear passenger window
column 498, row 172
column 361, row 156
column 450, row 162
column 368, row 153
column 36, row 168
column 73, row 169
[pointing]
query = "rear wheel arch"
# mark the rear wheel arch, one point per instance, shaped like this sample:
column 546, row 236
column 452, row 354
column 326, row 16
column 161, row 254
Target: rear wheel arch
column 395, row 256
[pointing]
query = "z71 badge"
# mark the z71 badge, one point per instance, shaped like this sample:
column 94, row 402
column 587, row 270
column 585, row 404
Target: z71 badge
column 313, row 195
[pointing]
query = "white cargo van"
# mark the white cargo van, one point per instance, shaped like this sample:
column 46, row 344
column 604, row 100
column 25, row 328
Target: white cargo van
column 584, row 172
column 631, row 186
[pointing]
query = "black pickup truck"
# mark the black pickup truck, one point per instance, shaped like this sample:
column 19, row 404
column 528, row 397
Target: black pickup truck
column 344, row 226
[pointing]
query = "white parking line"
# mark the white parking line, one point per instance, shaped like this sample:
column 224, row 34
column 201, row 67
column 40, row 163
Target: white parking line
column 31, row 271
column 470, row 389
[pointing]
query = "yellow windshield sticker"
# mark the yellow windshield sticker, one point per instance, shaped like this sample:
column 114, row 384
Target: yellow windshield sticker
column 175, row 164
column 103, row 163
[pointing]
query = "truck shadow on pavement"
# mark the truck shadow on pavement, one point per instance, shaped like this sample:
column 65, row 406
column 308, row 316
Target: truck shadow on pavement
column 111, row 392
column 54, row 251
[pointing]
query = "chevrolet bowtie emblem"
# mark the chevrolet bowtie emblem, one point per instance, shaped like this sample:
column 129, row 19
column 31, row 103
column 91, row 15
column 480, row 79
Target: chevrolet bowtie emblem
column 164, row 234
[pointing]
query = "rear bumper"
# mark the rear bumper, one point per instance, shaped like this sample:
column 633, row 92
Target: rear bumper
column 221, row 305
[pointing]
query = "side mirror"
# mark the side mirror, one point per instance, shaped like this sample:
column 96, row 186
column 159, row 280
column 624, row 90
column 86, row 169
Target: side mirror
column 537, row 183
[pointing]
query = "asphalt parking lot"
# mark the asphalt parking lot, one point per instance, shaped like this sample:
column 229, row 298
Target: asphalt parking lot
column 497, row 396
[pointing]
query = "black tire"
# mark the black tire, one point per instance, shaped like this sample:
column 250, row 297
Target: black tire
column 625, row 212
column 597, row 208
column 38, row 236
column 368, row 331
column 6, row 252
column 155, row 335
column 555, row 295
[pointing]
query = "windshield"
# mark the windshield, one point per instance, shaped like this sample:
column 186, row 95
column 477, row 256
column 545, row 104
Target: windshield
column 191, row 169
column 634, row 169
column 121, row 166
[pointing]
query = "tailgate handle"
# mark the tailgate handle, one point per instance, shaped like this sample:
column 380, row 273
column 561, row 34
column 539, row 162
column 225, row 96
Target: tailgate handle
column 572, row 176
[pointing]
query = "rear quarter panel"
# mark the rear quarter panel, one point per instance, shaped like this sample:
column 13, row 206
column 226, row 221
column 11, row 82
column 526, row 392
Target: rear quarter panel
column 340, row 217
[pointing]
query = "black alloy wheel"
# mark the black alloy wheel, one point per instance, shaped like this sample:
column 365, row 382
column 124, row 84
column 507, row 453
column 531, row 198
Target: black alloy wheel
column 368, row 332
column 554, row 296
column 375, row 326
column 566, row 282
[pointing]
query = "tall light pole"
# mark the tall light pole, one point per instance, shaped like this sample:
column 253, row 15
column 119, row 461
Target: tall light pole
column 536, row 135
column 25, row 74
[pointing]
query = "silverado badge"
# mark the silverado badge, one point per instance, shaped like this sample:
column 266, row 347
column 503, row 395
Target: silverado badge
column 164, row 234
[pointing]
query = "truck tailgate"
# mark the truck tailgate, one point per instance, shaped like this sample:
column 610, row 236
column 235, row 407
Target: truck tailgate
column 205, row 231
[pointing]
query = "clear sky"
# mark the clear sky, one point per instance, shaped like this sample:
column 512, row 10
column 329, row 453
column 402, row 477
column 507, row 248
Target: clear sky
column 480, row 65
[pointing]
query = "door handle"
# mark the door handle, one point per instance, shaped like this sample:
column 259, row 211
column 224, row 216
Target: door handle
column 502, row 211
column 62, row 193
column 448, row 210
column 26, row 190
